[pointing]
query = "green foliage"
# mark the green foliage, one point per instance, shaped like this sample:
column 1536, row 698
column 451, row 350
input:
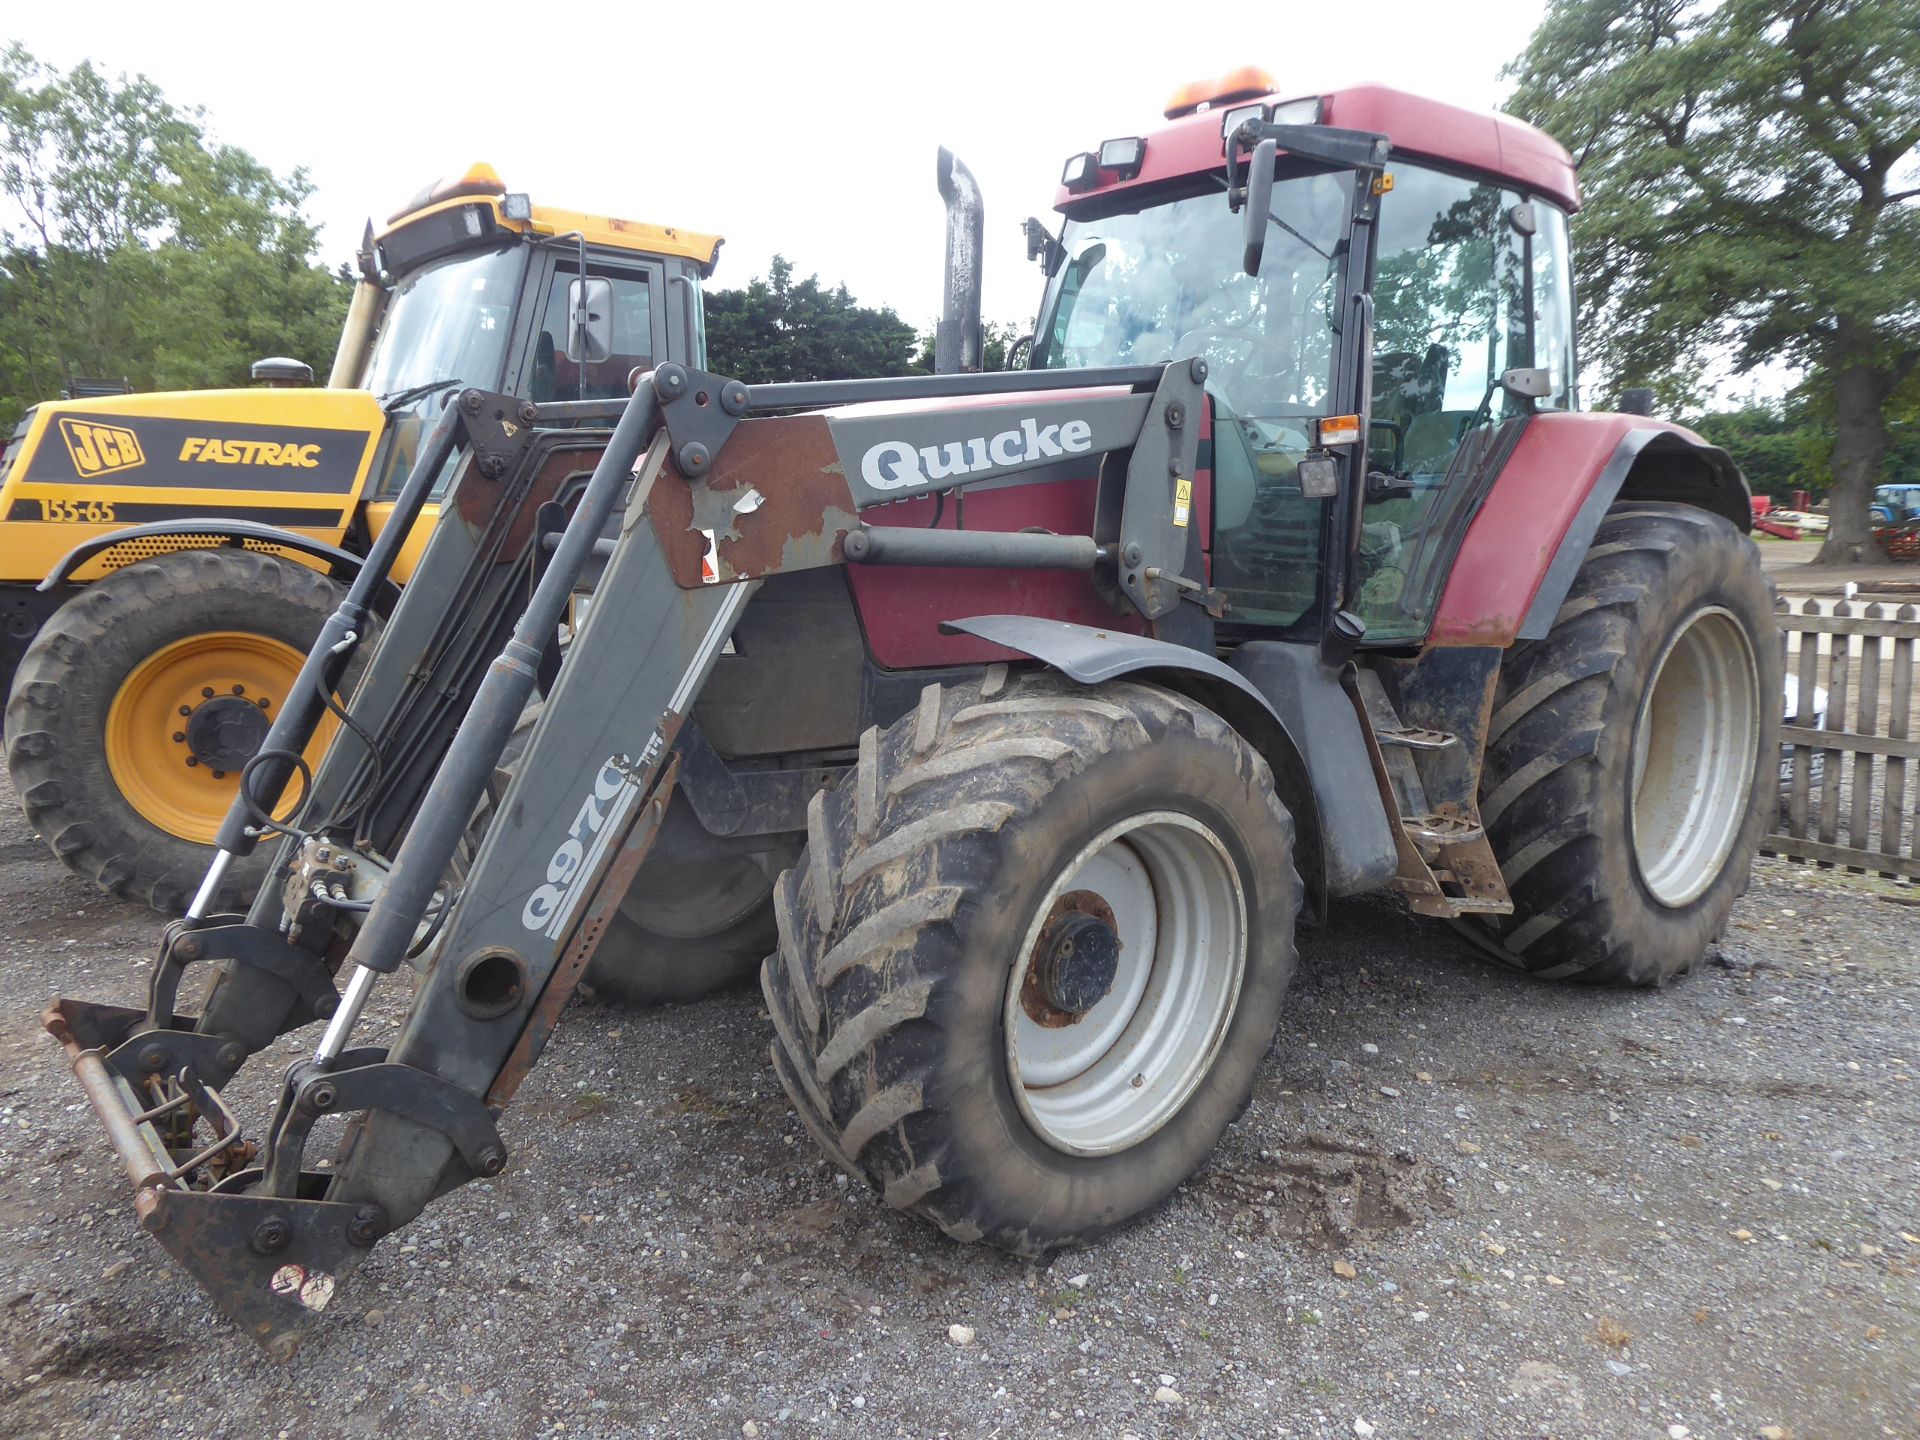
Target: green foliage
column 1779, row 448
column 778, row 329
column 132, row 244
column 1750, row 168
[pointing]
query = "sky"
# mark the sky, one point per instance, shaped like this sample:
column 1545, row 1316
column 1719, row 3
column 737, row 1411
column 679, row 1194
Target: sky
column 804, row 130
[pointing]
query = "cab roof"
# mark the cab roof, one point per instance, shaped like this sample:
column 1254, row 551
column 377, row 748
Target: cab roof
column 1483, row 141
column 481, row 184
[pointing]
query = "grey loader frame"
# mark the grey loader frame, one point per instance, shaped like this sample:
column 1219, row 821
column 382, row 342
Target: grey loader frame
column 701, row 489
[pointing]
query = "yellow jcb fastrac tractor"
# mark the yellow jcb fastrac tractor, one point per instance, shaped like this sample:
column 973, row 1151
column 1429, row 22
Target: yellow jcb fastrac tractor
column 166, row 560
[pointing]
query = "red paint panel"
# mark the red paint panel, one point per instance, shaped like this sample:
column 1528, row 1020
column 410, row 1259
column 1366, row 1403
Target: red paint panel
column 1513, row 538
column 1483, row 140
column 901, row 607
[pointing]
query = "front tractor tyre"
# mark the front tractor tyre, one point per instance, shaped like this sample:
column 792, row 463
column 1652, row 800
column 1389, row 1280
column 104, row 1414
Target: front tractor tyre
column 1633, row 755
column 137, row 704
column 1033, row 954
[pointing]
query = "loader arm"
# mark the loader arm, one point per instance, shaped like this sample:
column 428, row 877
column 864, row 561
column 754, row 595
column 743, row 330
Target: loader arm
column 711, row 486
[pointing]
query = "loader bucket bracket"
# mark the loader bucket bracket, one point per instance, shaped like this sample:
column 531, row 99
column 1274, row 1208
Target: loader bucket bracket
column 271, row 1264
column 300, row 977
column 364, row 1080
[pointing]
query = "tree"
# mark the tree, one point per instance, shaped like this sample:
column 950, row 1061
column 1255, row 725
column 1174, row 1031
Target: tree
column 133, row 244
column 777, row 329
column 1751, row 172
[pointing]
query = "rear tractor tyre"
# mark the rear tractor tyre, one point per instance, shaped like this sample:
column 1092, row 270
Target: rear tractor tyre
column 138, row 702
column 687, row 927
column 1034, row 954
column 1633, row 755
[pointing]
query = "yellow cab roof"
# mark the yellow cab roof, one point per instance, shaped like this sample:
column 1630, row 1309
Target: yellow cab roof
column 481, row 184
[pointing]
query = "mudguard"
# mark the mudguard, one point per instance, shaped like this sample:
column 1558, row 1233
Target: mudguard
column 1287, row 703
column 342, row 565
column 1531, row 532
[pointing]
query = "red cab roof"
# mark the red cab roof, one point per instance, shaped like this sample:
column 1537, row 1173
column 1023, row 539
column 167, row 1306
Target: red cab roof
column 1478, row 140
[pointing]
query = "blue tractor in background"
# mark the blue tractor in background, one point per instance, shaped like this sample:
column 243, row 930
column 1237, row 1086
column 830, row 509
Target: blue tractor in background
column 1896, row 504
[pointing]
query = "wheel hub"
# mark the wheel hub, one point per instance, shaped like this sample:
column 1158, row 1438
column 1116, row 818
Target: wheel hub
column 1126, row 983
column 1074, row 963
column 225, row 732
column 186, row 719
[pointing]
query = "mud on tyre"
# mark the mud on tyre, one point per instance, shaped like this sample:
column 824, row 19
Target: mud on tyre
column 1034, row 954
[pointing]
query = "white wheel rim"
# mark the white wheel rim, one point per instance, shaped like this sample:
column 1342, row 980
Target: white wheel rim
column 1694, row 751
column 1112, row 1077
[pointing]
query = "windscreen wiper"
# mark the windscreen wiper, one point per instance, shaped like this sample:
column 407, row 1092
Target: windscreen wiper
column 402, row 398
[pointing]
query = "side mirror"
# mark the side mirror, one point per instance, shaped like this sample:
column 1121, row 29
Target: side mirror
column 1042, row 246
column 589, row 320
column 1259, row 202
column 1529, row 384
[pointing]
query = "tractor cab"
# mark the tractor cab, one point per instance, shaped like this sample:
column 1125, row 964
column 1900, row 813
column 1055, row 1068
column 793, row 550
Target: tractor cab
column 469, row 284
column 1347, row 457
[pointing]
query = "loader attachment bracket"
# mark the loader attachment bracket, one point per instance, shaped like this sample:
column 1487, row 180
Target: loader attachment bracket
column 304, row 986
column 242, row 1247
column 365, row 1080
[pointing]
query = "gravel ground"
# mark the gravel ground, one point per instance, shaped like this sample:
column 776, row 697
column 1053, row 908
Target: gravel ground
column 1460, row 1205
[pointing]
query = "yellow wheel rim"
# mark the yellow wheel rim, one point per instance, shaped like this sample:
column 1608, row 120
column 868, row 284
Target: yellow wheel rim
column 156, row 749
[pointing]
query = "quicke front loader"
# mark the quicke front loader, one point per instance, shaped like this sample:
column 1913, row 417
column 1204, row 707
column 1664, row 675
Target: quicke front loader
column 1053, row 697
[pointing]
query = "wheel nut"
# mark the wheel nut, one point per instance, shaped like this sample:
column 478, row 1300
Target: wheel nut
column 207, row 690
column 179, row 737
column 369, row 1222
column 271, row 1236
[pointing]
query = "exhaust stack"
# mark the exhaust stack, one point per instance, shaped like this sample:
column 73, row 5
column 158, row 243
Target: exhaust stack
column 956, row 342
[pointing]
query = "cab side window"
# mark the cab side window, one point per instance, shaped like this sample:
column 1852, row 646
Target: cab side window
column 1450, row 303
column 554, row 377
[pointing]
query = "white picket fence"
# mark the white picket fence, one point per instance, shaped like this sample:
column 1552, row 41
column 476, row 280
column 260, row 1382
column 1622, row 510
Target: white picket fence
column 1848, row 776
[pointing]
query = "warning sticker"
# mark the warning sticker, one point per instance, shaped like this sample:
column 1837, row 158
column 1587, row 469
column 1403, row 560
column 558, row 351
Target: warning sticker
column 1182, row 502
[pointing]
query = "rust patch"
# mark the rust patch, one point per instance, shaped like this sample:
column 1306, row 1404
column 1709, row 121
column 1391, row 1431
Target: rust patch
column 776, row 499
column 478, row 500
column 1033, row 998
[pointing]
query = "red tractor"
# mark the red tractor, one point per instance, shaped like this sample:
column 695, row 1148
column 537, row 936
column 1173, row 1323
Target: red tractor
column 1033, row 710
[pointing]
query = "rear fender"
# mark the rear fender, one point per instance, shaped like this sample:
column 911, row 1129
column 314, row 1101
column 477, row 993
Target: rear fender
column 1338, row 850
column 341, row 564
column 1531, row 533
